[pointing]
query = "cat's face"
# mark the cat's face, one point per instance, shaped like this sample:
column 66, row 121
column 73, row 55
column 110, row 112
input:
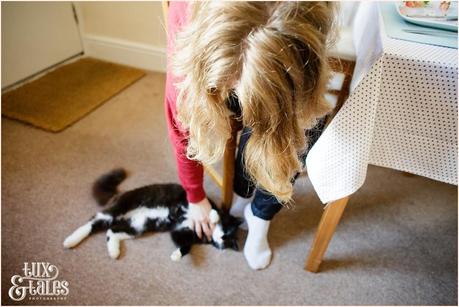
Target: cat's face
column 225, row 232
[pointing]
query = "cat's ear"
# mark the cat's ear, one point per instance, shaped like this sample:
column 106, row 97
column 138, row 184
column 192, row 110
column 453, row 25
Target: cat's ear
column 234, row 244
column 235, row 222
column 238, row 221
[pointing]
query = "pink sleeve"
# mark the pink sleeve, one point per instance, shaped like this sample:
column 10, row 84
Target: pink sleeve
column 191, row 173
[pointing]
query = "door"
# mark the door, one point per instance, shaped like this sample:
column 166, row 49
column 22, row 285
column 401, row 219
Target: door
column 36, row 36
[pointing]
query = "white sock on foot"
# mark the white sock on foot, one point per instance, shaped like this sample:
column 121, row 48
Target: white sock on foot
column 256, row 248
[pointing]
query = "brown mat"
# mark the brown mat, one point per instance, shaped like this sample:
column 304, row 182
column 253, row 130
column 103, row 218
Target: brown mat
column 65, row 95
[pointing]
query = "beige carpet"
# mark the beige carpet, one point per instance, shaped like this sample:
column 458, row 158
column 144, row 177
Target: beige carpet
column 397, row 243
column 66, row 94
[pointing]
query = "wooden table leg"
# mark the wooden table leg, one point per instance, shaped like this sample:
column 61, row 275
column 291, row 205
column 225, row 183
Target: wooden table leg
column 330, row 219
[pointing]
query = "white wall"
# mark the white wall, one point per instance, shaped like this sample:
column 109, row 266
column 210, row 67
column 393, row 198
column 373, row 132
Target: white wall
column 130, row 33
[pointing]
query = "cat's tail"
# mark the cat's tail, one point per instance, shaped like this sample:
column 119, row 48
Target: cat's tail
column 107, row 185
column 101, row 221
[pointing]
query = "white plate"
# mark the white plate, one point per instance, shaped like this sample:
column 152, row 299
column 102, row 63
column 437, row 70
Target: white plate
column 429, row 16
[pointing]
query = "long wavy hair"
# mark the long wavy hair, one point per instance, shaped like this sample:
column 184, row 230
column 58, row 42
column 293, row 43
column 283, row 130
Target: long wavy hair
column 273, row 57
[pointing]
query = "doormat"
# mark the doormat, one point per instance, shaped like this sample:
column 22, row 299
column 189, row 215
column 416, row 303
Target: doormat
column 65, row 95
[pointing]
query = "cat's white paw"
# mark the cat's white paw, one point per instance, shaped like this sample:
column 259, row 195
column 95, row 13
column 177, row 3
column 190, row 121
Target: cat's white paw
column 77, row 236
column 69, row 243
column 214, row 218
column 114, row 241
column 176, row 255
column 114, row 250
column 113, row 245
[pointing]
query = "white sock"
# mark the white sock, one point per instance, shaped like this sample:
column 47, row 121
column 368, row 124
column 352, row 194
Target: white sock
column 256, row 248
column 238, row 206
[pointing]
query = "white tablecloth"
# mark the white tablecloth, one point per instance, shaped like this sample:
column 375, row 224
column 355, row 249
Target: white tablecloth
column 401, row 114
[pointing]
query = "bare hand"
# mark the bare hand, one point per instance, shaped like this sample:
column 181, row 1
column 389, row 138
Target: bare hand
column 199, row 215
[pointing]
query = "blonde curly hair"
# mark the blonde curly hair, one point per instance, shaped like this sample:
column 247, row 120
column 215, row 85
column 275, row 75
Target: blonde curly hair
column 273, row 57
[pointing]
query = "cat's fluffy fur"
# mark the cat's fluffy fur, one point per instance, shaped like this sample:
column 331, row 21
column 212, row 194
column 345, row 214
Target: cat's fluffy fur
column 157, row 207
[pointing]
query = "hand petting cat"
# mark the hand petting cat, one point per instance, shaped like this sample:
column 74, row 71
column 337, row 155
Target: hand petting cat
column 199, row 213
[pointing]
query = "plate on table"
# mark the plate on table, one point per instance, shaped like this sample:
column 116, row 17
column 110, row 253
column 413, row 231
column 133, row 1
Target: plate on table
column 432, row 14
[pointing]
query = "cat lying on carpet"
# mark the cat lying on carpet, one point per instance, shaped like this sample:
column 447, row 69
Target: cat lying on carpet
column 157, row 207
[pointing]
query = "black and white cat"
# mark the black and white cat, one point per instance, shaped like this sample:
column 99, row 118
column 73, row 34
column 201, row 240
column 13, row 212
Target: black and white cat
column 157, row 207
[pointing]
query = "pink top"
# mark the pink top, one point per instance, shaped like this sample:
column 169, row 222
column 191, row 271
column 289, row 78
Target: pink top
column 176, row 19
column 190, row 173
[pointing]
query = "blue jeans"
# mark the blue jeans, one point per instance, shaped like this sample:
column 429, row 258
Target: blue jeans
column 264, row 204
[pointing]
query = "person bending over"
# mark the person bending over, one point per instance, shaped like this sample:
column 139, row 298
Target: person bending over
column 265, row 63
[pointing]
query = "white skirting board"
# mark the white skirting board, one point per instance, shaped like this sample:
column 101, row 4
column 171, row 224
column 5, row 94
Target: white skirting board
column 120, row 51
